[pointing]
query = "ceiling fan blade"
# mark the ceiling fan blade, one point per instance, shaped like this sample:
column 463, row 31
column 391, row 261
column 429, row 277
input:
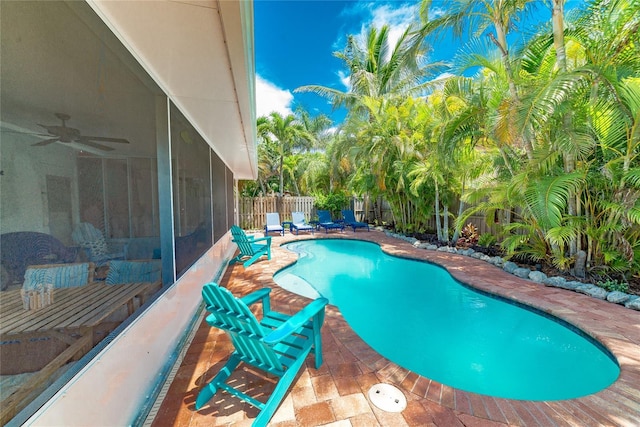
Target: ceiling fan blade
column 104, row 139
column 95, row 145
column 20, row 132
column 45, row 142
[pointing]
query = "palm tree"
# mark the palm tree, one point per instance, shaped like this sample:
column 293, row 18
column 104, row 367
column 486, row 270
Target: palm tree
column 380, row 75
column 318, row 126
column 500, row 15
column 288, row 133
column 267, row 163
column 376, row 69
column 584, row 118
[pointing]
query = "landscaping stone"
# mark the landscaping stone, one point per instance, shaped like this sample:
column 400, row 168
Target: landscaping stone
column 570, row 285
column 485, row 257
column 617, row 297
column 555, row 281
column 592, row 291
column 522, row 272
column 443, row 249
column 497, row 261
column 633, row 304
column 417, row 243
column 510, row 267
column 432, row 247
column 476, row 255
column 584, row 287
column 537, row 276
column 599, row 293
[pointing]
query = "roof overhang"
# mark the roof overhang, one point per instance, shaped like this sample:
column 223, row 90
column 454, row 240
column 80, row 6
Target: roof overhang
column 201, row 53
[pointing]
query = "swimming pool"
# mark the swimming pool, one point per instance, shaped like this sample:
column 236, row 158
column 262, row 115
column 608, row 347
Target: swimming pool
column 416, row 315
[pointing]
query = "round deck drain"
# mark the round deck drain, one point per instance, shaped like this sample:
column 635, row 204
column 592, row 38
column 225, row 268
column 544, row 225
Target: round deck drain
column 387, row 397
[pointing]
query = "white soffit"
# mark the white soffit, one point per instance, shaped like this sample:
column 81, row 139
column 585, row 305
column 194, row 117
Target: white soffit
column 199, row 54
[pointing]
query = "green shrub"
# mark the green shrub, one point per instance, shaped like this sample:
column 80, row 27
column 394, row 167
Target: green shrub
column 486, row 240
column 612, row 285
column 333, row 202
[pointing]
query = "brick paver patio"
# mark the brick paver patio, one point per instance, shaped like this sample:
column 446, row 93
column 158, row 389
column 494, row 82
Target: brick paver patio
column 336, row 394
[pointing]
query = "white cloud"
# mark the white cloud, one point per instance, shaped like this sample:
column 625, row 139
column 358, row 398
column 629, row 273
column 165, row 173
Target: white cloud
column 436, row 12
column 397, row 19
column 344, row 79
column 270, row 97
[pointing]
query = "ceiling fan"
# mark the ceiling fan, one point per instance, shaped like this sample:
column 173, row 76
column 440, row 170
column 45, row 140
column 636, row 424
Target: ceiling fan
column 67, row 134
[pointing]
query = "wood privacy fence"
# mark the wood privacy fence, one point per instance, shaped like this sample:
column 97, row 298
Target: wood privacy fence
column 252, row 212
column 384, row 213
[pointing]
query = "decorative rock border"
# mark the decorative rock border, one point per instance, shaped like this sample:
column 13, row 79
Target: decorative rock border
column 615, row 297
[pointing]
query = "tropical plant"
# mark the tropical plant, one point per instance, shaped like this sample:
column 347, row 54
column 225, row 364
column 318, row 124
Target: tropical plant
column 486, row 239
column 284, row 134
column 468, row 236
column 614, row 285
column 333, row 202
column 545, row 134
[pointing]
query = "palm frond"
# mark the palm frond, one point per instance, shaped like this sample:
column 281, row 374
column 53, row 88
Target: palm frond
column 547, row 198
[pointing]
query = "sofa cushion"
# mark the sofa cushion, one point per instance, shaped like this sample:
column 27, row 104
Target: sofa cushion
column 121, row 272
column 61, row 276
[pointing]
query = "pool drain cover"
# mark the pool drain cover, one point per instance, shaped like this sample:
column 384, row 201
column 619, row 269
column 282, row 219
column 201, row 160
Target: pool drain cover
column 387, row 397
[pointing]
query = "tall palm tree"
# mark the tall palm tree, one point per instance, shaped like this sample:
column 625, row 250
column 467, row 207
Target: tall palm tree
column 380, row 75
column 288, row 133
column 267, row 164
column 318, row 126
column 585, row 120
column 484, row 15
column 376, row 69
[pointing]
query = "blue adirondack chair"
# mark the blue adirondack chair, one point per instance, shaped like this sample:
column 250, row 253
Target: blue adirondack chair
column 278, row 344
column 325, row 221
column 251, row 248
column 350, row 220
column 298, row 222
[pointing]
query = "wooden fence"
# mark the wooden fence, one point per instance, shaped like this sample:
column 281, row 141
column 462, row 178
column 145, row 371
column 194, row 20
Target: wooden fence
column 252, row 212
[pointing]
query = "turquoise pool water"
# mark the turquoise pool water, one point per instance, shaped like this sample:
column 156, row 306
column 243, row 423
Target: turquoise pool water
column 415, row 314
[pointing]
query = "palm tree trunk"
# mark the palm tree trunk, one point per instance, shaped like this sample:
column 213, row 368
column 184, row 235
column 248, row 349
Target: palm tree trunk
column 281, row 189
column 295, row 186
column 456, row 233
column 557, row 19
column 445, row 230
column 437, row 206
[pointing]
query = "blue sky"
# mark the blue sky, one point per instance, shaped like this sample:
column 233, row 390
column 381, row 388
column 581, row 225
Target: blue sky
column 295, row 41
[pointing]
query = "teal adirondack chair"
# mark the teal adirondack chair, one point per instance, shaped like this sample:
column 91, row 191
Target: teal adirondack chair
column 238, row 232
column 278, row 344
column 250, row 247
